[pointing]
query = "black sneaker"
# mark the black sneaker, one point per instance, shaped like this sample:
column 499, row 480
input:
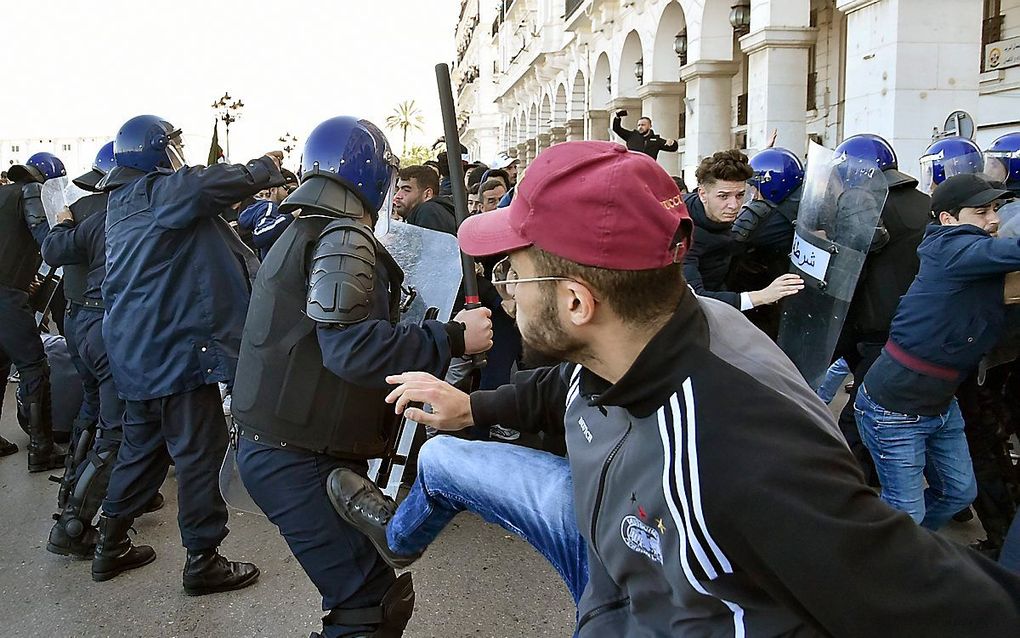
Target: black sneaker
column 362, row 504
column 503, row 434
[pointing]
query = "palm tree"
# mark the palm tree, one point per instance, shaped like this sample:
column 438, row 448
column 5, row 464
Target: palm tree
column 405, row 116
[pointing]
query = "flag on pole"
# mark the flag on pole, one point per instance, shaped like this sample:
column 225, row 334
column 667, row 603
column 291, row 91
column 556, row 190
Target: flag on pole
column 215, row 150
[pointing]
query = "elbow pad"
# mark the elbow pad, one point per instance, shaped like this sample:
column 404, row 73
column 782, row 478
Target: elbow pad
column 341, row 278
column 751, row 215
column 31, row 195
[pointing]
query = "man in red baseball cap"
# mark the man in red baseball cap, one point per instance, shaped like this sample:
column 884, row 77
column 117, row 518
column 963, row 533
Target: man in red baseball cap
column 697, row 452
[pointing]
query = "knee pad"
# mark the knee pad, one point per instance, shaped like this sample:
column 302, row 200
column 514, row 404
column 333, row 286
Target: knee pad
column 84, row 501
column 388, row 619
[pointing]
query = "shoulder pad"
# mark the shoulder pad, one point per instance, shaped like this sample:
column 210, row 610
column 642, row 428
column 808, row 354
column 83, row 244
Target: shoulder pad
column 342, row 274
column 751, row 215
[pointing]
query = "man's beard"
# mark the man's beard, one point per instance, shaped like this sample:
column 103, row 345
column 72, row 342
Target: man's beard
column 547, row 340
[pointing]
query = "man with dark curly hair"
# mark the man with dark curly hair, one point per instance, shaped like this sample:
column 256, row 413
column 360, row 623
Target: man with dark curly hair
column 714, row 206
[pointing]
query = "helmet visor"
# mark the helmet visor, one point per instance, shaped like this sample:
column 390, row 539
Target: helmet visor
column 997, row 166
column 382, row 225
column 175, row 151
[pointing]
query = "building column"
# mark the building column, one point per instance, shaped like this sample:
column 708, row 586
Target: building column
column 777, row 68
column 512, row 152
column 709, row 104
column 575, row 130
column 522, row 154
column 542, row 142
column 905, row 71
column 557, row 135
column 662, row 103
column 598, row 124
column 530, row 151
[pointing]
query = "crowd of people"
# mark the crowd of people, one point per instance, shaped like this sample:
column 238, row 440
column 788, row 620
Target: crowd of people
column 618, row 314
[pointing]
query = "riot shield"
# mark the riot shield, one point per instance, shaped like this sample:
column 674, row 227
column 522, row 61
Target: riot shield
column 57, row 194
column 836, row 224
column 432, row 277
column 231, row 486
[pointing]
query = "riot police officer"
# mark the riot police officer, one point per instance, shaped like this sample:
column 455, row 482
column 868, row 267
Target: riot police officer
column 78, row 241
column 175, row 294
column 23, row 228
column 58, row 250
column 320, row 338
column 888, row 271
column 946, row 157
column 1002, row 161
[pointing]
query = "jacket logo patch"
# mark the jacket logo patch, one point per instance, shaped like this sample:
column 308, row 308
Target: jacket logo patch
column 641, row 538
column 584, row 429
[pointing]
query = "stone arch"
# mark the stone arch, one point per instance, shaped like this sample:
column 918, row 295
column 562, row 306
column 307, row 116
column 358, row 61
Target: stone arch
column 709, row 34
column 578, row 92
column 600, row 82
column 532, row 122
column 560, row 107
column 545, row 114
column 665, row 66
column 627, row 84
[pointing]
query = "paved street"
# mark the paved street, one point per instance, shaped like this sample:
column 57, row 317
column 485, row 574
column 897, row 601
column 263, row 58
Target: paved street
column 476, row 581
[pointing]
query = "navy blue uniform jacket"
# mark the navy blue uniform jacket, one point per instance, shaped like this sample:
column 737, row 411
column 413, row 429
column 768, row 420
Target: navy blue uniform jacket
column 176, row 290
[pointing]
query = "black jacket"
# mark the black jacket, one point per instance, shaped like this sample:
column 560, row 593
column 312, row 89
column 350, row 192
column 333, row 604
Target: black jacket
column 435, row 214
column 707, row 263
column 649, row 144
column 694, row 505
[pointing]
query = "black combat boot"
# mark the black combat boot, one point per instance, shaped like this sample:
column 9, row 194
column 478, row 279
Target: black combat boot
column 361, row 503
column 81, row 544
column 114, row 552
column 7, row 448
column 207, row 572
column 43, row 455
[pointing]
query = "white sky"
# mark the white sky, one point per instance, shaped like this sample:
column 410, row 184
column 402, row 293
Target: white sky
column 78, row 68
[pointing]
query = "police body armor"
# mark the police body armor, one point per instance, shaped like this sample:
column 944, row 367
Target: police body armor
column 19, row 254
column 302, row 404
column 76, row 274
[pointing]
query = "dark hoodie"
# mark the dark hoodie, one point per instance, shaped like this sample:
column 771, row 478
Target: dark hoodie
column 435, row 214
column 707, row 263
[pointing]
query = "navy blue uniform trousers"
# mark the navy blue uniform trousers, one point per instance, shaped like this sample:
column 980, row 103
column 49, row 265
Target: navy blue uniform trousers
column 73, row 336
column 289, row 486
column 20, row 344
column 188, row 427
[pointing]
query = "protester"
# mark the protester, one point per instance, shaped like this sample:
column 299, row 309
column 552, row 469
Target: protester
column 698, row 541
column 417, row 201
column 643, row 139
column 949, row 318
column 263, row 219
column 490, row 193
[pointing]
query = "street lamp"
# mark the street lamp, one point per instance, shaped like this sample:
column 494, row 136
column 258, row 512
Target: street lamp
column 639, row 70
column 740, row 17
column 228, row 112
column 680, row 47
column 289, row 143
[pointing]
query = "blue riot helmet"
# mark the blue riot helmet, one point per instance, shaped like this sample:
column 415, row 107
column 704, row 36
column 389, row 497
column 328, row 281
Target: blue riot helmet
column 39, row 168
column 868, row 150
column 148, row 142
column 102, row 165
column 948, row 157
column 777, row 173
column 345, row 155
column 1002, row 159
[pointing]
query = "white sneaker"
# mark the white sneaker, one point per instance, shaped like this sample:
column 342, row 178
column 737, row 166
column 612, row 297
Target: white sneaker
column 503, row 434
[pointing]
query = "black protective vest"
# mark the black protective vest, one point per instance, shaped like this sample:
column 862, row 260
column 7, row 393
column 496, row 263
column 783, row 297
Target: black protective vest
column 76, row 274
column 282, row 390
column 19, row 254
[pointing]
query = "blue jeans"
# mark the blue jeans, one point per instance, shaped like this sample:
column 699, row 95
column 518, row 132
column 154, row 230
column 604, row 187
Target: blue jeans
column 834, row 378
column 909, row 449
column 527, row 492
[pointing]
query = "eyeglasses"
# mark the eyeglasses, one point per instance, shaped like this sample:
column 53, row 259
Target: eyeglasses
column 503, row 275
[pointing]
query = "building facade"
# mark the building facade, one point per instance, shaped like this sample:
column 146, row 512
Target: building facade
column 77, row 153
column 718, row 74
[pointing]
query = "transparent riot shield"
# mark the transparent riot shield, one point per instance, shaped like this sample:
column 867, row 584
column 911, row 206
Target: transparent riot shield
column 57, row 194
column 432, row 277
column 836, row 225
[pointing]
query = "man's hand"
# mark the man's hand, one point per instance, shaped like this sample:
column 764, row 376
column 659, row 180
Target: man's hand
column 277, row 157
column 670, row 142
column 772, row 138
column 296, row 213
column 64, row 215
column 620, row 113
column 451, row 408
column 478, row 333
column 783, row 286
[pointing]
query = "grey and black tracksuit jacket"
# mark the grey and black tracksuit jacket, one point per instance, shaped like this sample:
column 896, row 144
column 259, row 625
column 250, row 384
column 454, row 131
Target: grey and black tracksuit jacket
column 718, row 499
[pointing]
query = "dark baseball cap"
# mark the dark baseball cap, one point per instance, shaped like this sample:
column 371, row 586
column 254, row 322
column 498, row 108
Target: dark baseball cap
column 592, row 203
column 969, row 190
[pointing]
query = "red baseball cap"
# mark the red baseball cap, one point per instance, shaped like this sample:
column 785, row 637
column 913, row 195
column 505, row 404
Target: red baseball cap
column 593, row 203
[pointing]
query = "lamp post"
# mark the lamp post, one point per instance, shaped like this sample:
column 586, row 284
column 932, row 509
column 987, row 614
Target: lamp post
column 639, row 71
column 289, row 143
column 228, row 112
